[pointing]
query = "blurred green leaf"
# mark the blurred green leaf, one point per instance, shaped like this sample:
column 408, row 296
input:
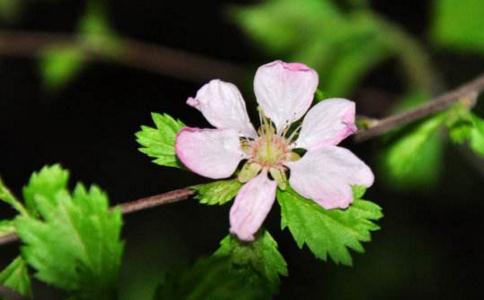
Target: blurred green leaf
column 16, row 277
column 217, row 192
column 75, row 244
column 329, row 232
column 6, row 227
column 159, row 142
column 468, row 128
column 96, row 30
column 9, row 9
column 59, row 65
column 457, row 24
column 209, row 278
column 45, row 184
column 413, row 157
column 341, row 46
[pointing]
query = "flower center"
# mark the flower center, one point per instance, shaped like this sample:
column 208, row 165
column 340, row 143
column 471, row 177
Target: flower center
column 270, row 150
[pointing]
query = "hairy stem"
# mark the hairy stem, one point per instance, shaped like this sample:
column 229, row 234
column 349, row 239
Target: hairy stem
column 440, row 103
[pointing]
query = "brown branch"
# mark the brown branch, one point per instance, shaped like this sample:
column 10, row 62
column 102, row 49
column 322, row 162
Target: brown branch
column 132, row 206
column 129, row 52
column 379, row 127
column 157, row 200
column 9, row 294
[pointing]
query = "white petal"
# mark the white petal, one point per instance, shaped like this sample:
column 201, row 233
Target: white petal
column 327, row 123
column 326, row 175
column 213, row 153
column 285, row 91
column 223, row 106
column 251, row 206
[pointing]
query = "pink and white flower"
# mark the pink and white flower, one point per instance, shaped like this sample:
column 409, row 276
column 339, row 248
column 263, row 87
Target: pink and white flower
column 284, row 91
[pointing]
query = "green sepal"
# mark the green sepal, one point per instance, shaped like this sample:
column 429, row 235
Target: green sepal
column 217, row 192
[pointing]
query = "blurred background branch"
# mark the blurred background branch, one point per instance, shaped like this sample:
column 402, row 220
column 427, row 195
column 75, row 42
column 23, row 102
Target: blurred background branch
column 155, row 58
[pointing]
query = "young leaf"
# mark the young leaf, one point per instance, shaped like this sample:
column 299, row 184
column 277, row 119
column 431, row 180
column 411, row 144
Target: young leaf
column 16, row 277
column 217, row 192
column 328, row 232
column 59, row 65
column 75, row 245
column 46, row 183
column 413, row 156
column 6, row 227
column 260, row 257
column 7, row 197
column 457, row 24
column 159, row 142
column 94, row 27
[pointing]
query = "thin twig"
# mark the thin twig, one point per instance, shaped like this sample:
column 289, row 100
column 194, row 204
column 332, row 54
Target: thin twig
column 9, row 294
column 435, row 105
column 163, row 60
column 132, row 206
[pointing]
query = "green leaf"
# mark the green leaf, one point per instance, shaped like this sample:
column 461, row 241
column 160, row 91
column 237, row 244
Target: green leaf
column 235, row 271
column 16, row 277
column 6, row 227
column 59, row 65
column 209, row 278
column 159, row 142
column 45, row 184
column 328, row 232
column 305, row 31
column 7, row 197
column 218, row 192
column 457, row 24
column 75, row 244
column 260, row 256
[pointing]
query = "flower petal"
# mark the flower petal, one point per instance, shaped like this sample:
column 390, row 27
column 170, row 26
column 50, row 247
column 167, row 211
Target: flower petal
column 285, row 91
column 327, row 123
column 213, row 153
column 326, row 175
column 251, row 206
column 223, row 106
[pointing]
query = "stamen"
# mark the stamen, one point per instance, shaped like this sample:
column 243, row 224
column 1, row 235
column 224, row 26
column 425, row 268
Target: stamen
column 294, row 133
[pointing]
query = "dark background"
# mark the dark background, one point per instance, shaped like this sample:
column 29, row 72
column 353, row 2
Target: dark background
column 430, row 243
